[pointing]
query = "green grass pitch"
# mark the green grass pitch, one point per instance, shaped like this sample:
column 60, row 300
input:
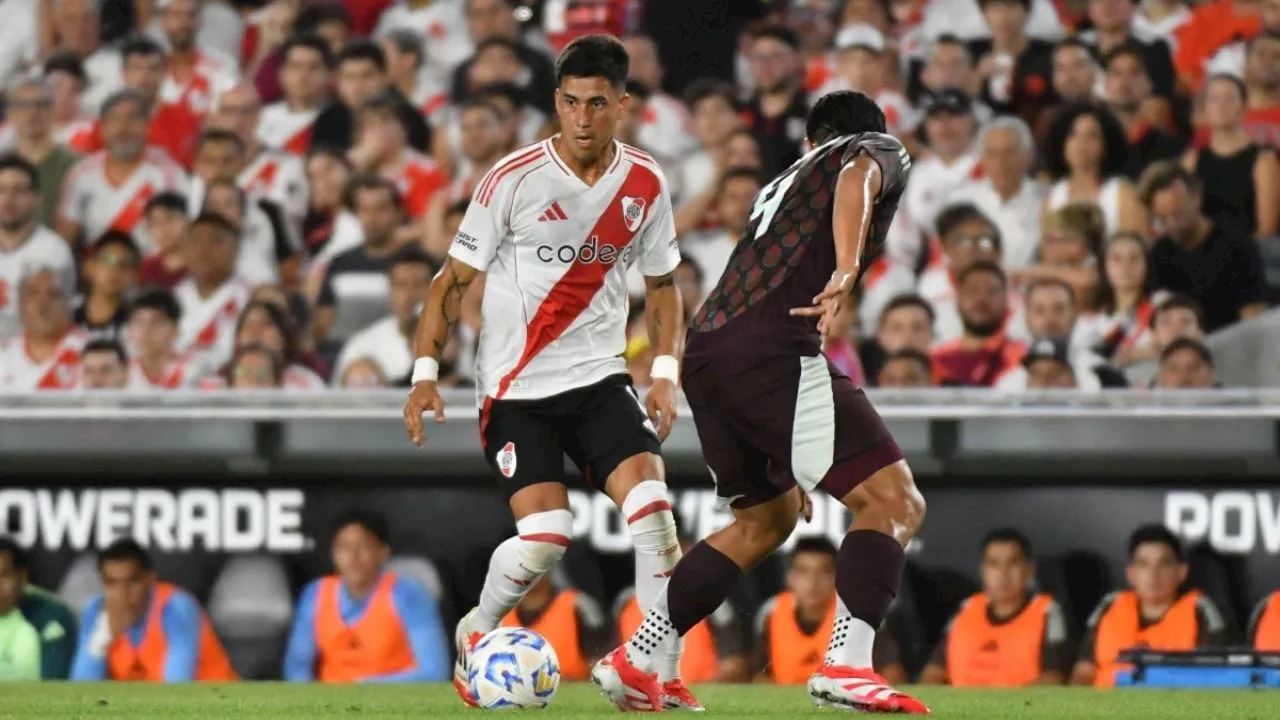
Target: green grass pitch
column 269, row 701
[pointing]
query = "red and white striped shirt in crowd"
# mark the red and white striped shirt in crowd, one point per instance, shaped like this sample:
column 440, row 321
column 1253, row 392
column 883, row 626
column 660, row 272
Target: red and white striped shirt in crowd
column 280, row 128
column 97, row 205
column 19, row 372
column 208, row 326
column 280, row 178
column 419, row 179
column 213, row 74
column 181, row 372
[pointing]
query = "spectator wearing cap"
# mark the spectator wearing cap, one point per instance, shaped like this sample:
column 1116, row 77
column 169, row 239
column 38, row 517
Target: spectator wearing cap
column 666, row 129
column 1051, row 312
column 967, row 236
column 24, row 242
column 1212, row 262
column 715, row 115
column 1240, row 177
column 1114, row 26
column 45, row 355
column 111, row 270
column 1127, row 93
column 1125, row 301
column 35, row 139
column 1015, row 70
column 906, row 323
column 1006, row 194
column 488, row 19
column 1186, row 364
column 362, row 74
column 906, row 368
column 1048, row 366
column 984, row 354
column 861, row 65
column 778, row 109
column 949, row 163
column 166, row 224
column 389, row 341
column 104, row 366
column 1084, row 153
column 364, row 623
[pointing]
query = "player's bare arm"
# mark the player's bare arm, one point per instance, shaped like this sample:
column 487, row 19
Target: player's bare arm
column 856, row 191
column 439, row 317
column 664, row 310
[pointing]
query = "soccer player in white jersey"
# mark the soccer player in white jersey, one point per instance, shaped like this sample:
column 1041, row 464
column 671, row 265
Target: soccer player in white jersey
column 305, row 69
column 23, row 242
column 572, row 213
column 46, row 355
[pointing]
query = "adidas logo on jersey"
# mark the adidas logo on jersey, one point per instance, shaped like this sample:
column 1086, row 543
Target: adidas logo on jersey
column 553, row 213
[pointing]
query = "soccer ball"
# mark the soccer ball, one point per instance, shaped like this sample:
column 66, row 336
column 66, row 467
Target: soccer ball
column 513, row 668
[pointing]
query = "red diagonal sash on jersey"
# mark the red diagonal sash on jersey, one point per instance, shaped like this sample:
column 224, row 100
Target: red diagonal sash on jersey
column 573, row 292
column 263, row 179
column 129, row 216
column 62, row 370
column 300, row 143
column 208, row 336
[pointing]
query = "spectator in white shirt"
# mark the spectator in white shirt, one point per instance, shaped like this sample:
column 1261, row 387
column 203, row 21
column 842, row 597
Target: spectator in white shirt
column 23, row 242
column 1011, row 199
column 666, row 130
column 1084, row 152
column 389, row 341
column 154, row 318
column 103, row 366
column 716, row 114
column 255, row 367
column 1126, row 301
column 711, row 248
column 949, row 129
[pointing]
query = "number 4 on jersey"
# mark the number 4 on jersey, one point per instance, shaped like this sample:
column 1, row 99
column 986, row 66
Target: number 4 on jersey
column 769, row 199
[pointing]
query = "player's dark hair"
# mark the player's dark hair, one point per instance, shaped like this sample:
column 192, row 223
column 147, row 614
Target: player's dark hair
column 740, row 173
column 815, row 544
column 510, row 91
column 707, row 88
column 1164, row 174
column 371, row 521
column 1156, row 533
column 908, row 300
column 1008, row 535
column 217, row 221
column 781, row 33
column 1128, row 48
column 414, row 255
column 159, row 299
column 594, row 56
column 982, row 266
column 17, row 556
column 167, row 200
column 104, row 345
column 1176, row 301
column 127, row 95
column 117, row 238
column 1186, row 343
column 126, row 550
column 911, row 354
column 218, row 135
column 244, row 351
column 14, row 161
column 409, row 42
column 1051, row 282
column 1231, row 80
column 310, row 42
column 698, row 273
column 317, row 14
column 953, row 216
column 66, row 62
column 364, row 51
column 844, row 112
column 366, row 182
column 140, row 45
column 1115, row 144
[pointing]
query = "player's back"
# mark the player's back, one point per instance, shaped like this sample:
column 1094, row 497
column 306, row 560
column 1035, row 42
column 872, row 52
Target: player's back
column 786, row 253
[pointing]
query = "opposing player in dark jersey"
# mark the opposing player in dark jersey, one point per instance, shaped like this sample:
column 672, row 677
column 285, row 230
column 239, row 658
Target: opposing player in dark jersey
column 773, row 414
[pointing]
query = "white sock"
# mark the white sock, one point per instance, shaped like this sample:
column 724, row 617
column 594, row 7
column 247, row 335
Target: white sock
column 657, row 550
column 519, row 562
column 851, row 640
column 646, row 647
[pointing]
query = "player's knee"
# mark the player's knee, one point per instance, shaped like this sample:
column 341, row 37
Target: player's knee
column 891, row 493
column 544, row 538
column 647, row 510
column 766, row 534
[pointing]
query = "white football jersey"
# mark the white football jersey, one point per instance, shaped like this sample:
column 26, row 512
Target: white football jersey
column 214, row 74
column 208, row 327
column 44, row 249
column 97, row 206
column 60, row 371
column 280, row 178
column 180, row 373
column 556, row 252
column 280, row 128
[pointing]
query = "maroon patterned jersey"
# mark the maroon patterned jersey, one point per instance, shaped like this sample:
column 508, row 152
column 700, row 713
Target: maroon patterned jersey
column 786, row 253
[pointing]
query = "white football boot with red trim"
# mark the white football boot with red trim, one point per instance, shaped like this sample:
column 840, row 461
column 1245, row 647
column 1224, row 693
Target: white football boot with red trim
column 628, row 687
column 676, row 696
column 465, row 640
column 860, row 689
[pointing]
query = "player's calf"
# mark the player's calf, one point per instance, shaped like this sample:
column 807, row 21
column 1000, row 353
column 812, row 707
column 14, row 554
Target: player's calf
column 541, row 540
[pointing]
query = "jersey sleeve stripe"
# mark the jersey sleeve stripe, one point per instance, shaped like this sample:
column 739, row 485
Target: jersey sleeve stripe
column 487, row 196
column 498, row 172
column 639, row 154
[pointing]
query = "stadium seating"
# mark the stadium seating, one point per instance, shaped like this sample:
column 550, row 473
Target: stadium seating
column 250, row 606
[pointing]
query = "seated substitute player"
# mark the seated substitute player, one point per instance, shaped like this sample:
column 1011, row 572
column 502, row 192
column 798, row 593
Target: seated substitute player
column 772, row 413
column 555, row 227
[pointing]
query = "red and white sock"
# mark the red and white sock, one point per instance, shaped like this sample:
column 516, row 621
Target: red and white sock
column 647, row 510
column 519, row 562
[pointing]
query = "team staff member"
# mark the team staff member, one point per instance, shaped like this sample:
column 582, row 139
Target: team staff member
column 37, row 632
column 1155, row 613
column 1004, row 636
column 365, row 624
column 1264, row 626
column 570, row 620
column 141, row 629
column 793, row 628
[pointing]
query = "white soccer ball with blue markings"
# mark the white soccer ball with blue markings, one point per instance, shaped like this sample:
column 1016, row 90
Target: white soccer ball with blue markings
column 513, row 668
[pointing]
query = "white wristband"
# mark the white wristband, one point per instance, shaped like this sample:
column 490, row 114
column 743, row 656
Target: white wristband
column 666, row 367
column 425, row 369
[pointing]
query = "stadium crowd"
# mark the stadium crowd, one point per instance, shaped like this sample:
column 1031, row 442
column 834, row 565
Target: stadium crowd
column 255, row 194
column 381, row 618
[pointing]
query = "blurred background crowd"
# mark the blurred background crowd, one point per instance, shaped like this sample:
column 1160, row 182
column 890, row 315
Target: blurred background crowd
column 256, row 194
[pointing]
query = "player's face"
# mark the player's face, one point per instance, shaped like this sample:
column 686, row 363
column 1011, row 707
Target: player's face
column 326, row 177
column 124, row 131
column 489, row 19
column 12, row 583
column 735, row 203
column 481, row 133
column 713, row 119
column 969, row 242
column 359, row 80
column 1262, row 65
column 378, row 215
column 218, row 161
column 409, row 285
column 904, row 373
column 102, row 371
column 1185, row 369
column 1127, row 84
column 17, row 200
column 238, row 111
column 590, row 110
column 1005, row 572
column 905, row 328
column 1049, row 374
column 43, row 306
column 31, row 111
column 358, row 556
column 1084, row 147
column 304, row 76
column 210, row 253
column 1050, row 313
column 1004, row 158
column 812, row 577
column 151, row 332
column 126, row 589
column 113, row 271
column 1174, row 323
column 1155, row 573
column 1126, row 264
column 982, row 303
column 1073, row 72
column 1223, row 106
column 144, row 73
column 257, row 328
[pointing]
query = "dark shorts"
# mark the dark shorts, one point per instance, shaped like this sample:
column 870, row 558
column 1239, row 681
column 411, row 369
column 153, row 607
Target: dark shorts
column 597, row 426
column 768, row 424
